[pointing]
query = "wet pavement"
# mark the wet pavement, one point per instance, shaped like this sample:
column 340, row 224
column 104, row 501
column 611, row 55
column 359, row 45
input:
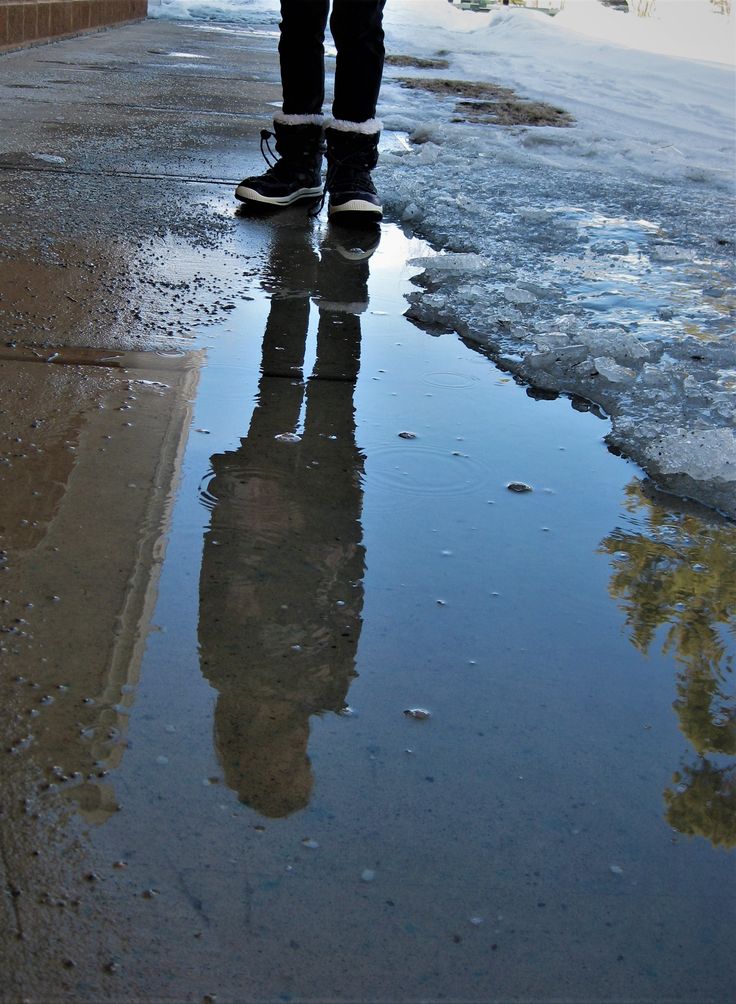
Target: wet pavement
column 300, row 700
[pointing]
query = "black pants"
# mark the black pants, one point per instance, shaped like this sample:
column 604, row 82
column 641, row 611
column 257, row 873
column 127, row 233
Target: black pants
column 356, row 27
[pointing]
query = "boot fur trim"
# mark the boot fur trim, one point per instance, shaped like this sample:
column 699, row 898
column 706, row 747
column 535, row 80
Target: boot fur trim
column 369, row 128
column 294, row 120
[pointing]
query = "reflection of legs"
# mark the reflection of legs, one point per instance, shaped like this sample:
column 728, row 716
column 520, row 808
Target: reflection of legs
column 338, row 348
column 280, row 589
column 335, row 494
column 281, row 390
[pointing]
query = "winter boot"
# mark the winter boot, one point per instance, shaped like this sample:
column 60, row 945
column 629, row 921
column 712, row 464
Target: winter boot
column 295, row 174
column 351, row 156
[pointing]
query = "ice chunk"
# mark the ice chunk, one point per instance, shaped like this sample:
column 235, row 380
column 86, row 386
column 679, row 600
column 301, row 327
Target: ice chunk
column 703, row 454
column 427, row 154
column 411, row 213
column 517, row 294
column 551, row 339
column 611, row 370
column 451, row 262
column 614, row 342
column 654, row 376
column 670, row 253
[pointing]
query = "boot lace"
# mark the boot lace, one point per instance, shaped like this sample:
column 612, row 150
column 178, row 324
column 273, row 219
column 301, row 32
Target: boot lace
column 275, row 163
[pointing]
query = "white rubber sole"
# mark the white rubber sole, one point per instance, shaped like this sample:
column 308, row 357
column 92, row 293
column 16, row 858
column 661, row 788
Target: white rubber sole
column 357, row 206
column 245, row 194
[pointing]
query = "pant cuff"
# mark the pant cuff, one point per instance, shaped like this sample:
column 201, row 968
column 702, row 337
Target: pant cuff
column 369, row 128
column 294, row 120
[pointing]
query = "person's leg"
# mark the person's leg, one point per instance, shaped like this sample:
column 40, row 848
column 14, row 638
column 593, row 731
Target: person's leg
column 298, row 128
column 357, row 28
column 353, row 132
column 302, row 56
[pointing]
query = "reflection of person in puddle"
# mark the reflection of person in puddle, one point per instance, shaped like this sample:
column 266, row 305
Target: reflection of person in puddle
column 281, row 581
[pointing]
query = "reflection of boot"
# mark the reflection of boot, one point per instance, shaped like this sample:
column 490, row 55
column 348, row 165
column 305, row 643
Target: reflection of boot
column 343, row 274
column 296, row 174
column 352, row 153
column 356, row 245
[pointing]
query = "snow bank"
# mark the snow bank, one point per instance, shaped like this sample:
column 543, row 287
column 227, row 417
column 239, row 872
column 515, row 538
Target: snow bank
column 636, row 111
column 250, row 13
column 608, row 247
column 687, row 29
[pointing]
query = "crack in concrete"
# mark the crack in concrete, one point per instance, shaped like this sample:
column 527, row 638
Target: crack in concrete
column 109, row 173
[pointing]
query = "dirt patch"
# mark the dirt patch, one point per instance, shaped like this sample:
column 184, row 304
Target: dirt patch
column 491, row 103
column 457, row 88
column 420, row 62
column 512, row 112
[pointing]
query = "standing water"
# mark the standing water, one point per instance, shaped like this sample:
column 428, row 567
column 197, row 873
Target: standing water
column 431, row 701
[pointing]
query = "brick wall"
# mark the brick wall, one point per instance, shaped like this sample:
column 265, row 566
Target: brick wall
column 27, row 22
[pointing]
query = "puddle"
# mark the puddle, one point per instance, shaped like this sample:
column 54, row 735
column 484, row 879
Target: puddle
column 401, row 732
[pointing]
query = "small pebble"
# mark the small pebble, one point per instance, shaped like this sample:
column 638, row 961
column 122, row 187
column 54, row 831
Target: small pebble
column 421, row 714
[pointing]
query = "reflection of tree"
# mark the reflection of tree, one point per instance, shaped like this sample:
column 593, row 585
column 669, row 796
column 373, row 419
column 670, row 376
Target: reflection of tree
column 678, row 569
column 681, row 570
column 704, row 802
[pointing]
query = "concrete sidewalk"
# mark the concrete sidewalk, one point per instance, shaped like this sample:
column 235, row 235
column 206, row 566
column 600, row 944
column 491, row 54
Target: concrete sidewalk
column 118, row 155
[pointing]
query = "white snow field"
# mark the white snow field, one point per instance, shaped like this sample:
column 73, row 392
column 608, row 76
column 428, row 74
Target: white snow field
column 595, row 259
